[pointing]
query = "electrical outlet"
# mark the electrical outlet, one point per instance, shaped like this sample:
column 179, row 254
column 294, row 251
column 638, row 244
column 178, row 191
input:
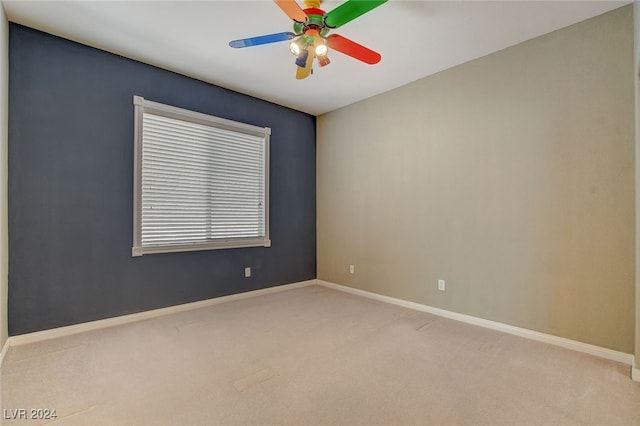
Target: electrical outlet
column 352, row 269
column 247, row 272
column 441, row 285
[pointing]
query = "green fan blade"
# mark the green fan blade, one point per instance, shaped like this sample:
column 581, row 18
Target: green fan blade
column 349, row 10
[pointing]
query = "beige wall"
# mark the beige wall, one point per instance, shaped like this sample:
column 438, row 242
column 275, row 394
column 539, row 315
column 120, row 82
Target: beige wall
column 4, row 79
column 511, row 177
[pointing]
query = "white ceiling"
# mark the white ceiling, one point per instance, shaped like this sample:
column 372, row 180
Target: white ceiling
column 415, row 38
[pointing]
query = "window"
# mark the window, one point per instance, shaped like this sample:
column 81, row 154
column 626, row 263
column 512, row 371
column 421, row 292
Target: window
column 200, row 182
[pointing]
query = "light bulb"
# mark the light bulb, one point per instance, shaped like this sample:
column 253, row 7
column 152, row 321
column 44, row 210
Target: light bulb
column 321, row 49
column 294, row 48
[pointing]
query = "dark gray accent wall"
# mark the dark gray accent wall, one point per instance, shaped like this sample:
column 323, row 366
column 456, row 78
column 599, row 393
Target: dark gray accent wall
column 71, row 189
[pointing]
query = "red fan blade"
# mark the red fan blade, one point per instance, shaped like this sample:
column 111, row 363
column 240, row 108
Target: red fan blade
column 292, row 9
column 353, row 49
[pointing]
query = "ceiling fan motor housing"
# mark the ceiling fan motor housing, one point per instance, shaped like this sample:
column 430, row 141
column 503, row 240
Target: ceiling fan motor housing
column 315, row 21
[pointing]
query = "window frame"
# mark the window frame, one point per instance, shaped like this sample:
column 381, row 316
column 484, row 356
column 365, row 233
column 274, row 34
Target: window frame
column 142, row 106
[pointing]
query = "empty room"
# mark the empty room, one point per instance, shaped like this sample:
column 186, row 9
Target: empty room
column 338, row 212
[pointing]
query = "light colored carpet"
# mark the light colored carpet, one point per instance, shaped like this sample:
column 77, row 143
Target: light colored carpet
column 312, row 356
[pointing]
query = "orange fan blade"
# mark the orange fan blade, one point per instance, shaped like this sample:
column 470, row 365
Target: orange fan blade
column 292, row 9
column 353, row 49
column 302, row 73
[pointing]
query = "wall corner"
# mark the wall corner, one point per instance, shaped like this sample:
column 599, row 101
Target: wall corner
column 4, row 137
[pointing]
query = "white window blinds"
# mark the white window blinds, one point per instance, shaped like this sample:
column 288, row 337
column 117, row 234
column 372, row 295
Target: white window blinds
column 202, row 181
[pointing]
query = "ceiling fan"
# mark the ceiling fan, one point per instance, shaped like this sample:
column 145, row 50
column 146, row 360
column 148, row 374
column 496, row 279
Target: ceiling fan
column 310, row 34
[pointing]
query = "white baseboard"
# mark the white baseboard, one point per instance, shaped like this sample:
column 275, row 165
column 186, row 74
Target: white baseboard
column 506, row 328
column 124, row 319
column 522, row 332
